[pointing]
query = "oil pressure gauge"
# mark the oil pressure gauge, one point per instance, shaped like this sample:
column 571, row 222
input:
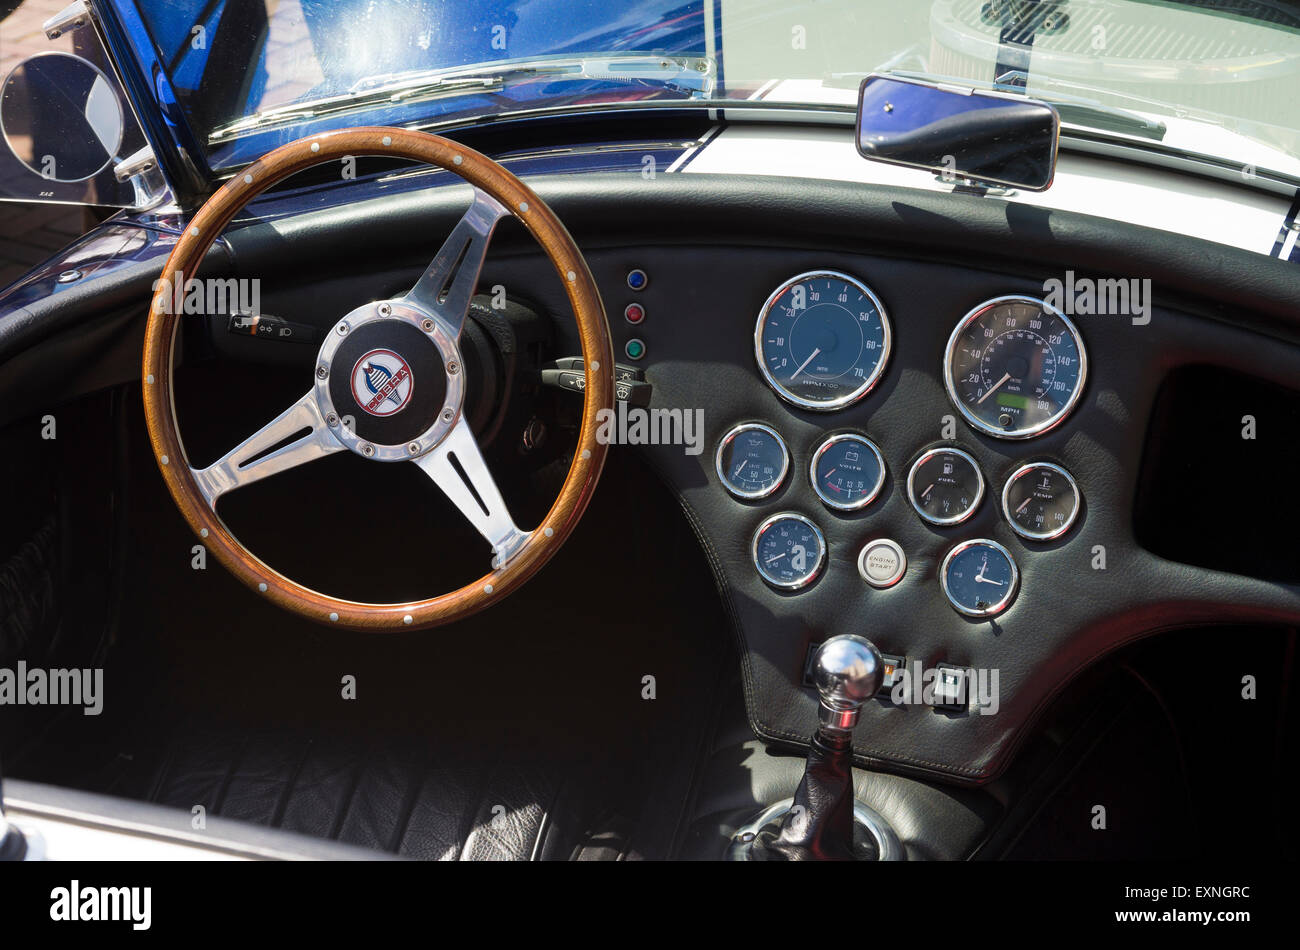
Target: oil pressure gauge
column 752, row 461
column 979, row 578
column 945, row 486
column 1041, row 501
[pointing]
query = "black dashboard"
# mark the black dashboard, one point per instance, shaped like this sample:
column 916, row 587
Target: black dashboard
column 1149, row 544
column 1079, row 594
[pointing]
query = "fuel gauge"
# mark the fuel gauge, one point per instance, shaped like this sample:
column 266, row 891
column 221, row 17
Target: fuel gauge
column 945, row 486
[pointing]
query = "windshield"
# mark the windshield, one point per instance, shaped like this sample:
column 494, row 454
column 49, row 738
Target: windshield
column 1215, row 77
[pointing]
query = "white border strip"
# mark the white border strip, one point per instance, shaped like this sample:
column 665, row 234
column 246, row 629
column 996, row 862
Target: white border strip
column 683, row 158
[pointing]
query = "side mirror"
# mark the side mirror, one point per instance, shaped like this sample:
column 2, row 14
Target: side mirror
column 963, row 135
column 60, row 117
column 69, row 134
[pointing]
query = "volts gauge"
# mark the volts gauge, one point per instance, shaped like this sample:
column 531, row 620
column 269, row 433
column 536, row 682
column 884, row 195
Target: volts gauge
column 847, row 471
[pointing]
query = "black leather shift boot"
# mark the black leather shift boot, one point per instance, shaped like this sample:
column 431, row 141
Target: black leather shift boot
column 819, row 825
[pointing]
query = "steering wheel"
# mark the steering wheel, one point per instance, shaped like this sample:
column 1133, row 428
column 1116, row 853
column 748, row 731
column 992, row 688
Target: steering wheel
column 390, row 385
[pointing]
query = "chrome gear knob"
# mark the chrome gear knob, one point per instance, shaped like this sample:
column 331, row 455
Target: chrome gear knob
column 847, row 671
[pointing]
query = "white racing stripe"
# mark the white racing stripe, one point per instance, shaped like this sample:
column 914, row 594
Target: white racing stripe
column 683, row 158
column 1288, row 245
column 1121, row 191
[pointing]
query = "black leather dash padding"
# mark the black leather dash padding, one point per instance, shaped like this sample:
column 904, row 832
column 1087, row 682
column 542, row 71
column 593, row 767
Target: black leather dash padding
column 390, row 795
column 382, row 227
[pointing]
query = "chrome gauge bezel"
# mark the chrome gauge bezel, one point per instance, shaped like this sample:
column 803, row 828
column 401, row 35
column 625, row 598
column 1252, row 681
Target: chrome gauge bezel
column 1039, row 428
column 816, row 482
column 867, row 384
column 1024, row 470
column 721, row 472
column 1013, row 585
column 911, row 487
column 817, row 567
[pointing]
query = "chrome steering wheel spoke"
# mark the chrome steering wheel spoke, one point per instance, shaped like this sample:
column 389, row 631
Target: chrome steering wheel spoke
column 444, row 290
column 253, row 459
column 457, row 467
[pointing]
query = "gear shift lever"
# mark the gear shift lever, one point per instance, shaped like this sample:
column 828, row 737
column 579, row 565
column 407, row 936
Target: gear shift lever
column 818, row 825
column 847, row 671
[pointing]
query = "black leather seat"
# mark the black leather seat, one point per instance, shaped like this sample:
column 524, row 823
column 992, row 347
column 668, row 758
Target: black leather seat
column 399, row 797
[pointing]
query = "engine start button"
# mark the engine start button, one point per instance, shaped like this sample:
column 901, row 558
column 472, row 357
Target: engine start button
column 882, row 563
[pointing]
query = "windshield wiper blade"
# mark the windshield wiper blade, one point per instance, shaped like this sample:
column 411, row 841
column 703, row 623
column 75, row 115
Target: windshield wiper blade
column 1075, row 110
column 346, row 102
column 1094, row 115
column 694, row 75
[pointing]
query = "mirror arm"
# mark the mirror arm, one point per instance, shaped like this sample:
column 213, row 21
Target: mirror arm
column 141, row 170
column 72, row 17
column 965, row 185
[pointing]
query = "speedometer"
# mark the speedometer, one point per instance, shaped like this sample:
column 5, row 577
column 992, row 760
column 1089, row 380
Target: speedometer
column 822, row 340
column 1015, row 367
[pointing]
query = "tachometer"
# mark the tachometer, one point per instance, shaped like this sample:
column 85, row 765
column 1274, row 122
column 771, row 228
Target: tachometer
column 822, row 340
column 1015, row 366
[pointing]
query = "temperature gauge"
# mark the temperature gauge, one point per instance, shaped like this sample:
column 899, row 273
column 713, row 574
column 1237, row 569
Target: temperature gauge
column 847, row 472
column 979, row 578
column 1040, row 501
column 752, row 461
column 789, row 551
column 945, row 486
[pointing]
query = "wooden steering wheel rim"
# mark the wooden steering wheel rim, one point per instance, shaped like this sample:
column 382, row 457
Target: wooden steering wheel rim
column 593, row 331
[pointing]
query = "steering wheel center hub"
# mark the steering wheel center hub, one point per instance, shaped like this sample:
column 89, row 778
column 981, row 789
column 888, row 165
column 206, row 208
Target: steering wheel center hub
column 390, row 381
